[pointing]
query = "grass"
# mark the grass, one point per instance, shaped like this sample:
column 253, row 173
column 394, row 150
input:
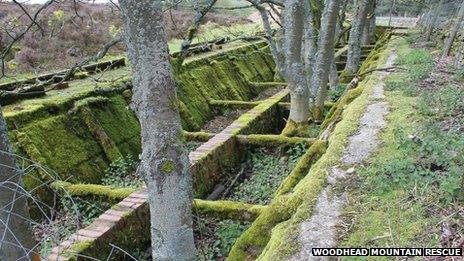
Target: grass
column 415, row 179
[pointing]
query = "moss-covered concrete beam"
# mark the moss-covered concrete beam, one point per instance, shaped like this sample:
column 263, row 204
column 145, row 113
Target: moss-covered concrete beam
column 286, row 105
column 84, row 72
column 223, row 209
column 236, row 104
column 92, row 190
column 272, row 140
column 226, row 209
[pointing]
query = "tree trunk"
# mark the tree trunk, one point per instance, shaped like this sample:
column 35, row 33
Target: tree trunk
column 17, row 242
column 325, row 55
column 333, row 75
column 354, row 41
column 297, row 83
column 454, row 32
column 341, row 20
column 433, row 21
column 164, row 162
column 368, row 35
column 310, row 42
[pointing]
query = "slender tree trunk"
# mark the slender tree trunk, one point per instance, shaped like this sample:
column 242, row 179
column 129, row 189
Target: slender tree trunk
column 324, row 56
column 333, row 75
column 164, row 161
column 368, row 35
column 17, row 241
column 433, row 21
column 354, row 42
column 299, row 93
column 310, row 42
column 341, row 20
column 367, row 26
column 449, row 41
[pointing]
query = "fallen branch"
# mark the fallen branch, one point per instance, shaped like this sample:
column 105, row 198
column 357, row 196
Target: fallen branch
column 9, row 97
column 386, row 69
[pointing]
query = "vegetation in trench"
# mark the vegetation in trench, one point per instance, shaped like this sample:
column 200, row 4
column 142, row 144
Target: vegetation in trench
column 121, row 173
column 416, row 178
column 214, row 238
column 265, row 171
column 78, row 212
column 335, row 94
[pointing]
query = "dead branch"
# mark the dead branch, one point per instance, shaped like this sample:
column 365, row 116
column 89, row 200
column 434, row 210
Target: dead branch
column 386, row 69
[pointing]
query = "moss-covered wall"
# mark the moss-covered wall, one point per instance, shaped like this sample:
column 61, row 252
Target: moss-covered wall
column 78, row 131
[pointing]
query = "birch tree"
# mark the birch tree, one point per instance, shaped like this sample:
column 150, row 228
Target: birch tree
column 454, row 31
column 297, row 81
column 325, row 55
column 17, row 241
column 164, row 161
column 368, row 34
column 354, row 41
column 435, row 14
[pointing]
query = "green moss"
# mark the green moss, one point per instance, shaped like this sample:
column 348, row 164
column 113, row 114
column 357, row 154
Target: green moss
column 337, row 109
column 92, row 190
column 292, row 128
column 168, row 167
column 108, row 146
column 225, row 209
column 120, row 124
column 272, row 140
column 77, row 249
column 302, row 168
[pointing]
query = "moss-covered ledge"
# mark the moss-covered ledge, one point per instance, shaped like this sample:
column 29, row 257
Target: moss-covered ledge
column 271, row 140
column 226, row 209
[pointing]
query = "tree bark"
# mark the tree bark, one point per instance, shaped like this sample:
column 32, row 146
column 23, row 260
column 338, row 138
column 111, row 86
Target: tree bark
column 297, row 82
column 17, row 240
column 368, row 34
column 325, row 55
column 341, row 20
column 449, row 41
column 333, row 75
column 433, row 21
column 164, row 161
column 354, row 41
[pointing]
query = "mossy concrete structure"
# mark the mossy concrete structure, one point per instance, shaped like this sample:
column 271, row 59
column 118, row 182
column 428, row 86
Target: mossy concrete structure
column 78, row 131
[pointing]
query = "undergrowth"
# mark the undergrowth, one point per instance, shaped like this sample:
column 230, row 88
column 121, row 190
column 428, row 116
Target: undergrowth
column 416, row 178
column 215, row 238
column 121, row 173
column 265, row 171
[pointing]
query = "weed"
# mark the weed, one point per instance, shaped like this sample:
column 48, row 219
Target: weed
column 266, row 172
column 335, row 94
column 121, row 173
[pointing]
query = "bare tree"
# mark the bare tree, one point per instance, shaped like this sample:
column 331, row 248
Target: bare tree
column 292, row 47
column 354, row 41
column 449, row 41
column 325, row 56
column 17, row 241
column 368, row 34
column 435, row 13
column 164, row 162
